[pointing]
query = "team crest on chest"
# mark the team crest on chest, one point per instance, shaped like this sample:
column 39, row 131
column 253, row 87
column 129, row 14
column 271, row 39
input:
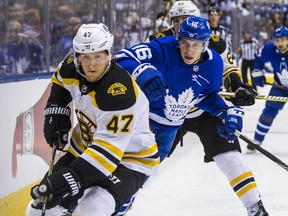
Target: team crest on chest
column 116, row 89
column 177, row 108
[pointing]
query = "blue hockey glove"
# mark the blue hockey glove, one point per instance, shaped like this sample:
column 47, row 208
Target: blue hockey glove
column 152, row 83
column 233, row 120
column 58, row 187
column 259, row 78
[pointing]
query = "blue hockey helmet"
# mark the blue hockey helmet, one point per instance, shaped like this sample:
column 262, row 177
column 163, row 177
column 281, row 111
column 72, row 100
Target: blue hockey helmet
column 195, row 28
column 280, row 32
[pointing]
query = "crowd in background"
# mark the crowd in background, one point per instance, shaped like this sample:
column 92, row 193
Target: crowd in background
column 36, row 33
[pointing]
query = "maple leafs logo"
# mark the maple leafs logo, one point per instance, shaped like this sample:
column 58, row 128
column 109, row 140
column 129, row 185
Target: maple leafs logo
column 283, row 76
column 177, row 109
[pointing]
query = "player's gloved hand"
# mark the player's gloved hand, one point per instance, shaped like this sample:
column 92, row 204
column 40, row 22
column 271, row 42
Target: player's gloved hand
column 233, row 120
column 244, row 95
column 258, row 77
column 152, row 83
column 58, row 187
column 57, row 124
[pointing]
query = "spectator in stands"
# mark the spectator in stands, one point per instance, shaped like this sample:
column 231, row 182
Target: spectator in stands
column 20, row 53
column 246, row 51
column 32, row 25
column 14, row 11
column 133, row 30
column 217, row 29
column 64, row 45
column 263, row 35
column 60, row 15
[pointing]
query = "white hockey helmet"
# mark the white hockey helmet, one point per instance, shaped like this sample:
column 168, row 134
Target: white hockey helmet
column 183, row 8
column 93, row 38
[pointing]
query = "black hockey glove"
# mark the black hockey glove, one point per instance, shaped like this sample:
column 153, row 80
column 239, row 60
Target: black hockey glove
column 58, row 187
column 244, row 95
column 57, row 124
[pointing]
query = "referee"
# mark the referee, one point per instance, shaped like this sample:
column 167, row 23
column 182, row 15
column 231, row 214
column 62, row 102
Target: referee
column 246, row 51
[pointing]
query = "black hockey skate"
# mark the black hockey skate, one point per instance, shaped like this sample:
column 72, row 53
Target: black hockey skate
column 250, row 149
column 257, row 210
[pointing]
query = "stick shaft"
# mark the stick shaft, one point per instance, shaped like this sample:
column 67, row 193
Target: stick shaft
column 262, row 150
column 51, row 165
column 260, row 97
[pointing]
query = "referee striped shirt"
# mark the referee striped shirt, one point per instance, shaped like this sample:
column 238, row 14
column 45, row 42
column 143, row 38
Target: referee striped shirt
column 248, row 48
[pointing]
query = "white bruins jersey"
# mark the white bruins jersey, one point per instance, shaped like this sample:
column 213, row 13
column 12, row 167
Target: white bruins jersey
column 113, row 122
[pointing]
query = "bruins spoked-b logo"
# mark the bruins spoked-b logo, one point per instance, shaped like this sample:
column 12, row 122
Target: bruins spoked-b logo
column 116, row 89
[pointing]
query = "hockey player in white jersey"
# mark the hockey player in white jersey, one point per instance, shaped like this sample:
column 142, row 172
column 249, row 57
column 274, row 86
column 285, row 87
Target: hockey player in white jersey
column 192, row 74
column 112, row 149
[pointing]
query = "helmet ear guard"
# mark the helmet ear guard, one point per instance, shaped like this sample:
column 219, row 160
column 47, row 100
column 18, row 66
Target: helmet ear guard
column 194, row 28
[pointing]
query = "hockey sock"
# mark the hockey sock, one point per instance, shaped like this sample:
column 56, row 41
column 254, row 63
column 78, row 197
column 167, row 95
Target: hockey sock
column 264, row 123
column 240, row 177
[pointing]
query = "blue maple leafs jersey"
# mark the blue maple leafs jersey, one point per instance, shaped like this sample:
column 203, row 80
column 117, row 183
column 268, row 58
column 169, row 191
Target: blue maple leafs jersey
column 189, row 86
column 270, row 59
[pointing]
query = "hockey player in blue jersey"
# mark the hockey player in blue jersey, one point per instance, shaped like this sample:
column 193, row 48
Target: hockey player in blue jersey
column 178, row 74
column 273, row 57
column 175, row 74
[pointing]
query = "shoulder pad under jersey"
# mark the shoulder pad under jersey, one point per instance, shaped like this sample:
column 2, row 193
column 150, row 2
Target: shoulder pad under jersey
column 116, row 91
column 168, row 32
column 217, row 43
column 67, row 67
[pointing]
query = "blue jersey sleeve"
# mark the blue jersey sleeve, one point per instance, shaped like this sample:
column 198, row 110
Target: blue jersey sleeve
column 265, row 55
column 209, row 100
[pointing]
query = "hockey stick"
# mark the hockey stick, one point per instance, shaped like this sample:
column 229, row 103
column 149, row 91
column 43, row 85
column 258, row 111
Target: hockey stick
column 167, row 7
column 262, row 150
column 51, row 166
column 260, row 97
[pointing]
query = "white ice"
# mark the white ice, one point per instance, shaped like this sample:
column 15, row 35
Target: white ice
column 186, row 186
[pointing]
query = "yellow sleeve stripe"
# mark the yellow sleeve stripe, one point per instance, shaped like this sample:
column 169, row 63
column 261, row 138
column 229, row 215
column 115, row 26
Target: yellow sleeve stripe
column 145, row 161
column 66, row 81
column 93, row 96
column 55, row 80
column 246, row 189
column 111, row 148
column 228, row 73
column 145, row 153
column 231, row 69
column 72, row 151
column 240, row 178
column 89, row 154
column 71, row 81
column 135, row 88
